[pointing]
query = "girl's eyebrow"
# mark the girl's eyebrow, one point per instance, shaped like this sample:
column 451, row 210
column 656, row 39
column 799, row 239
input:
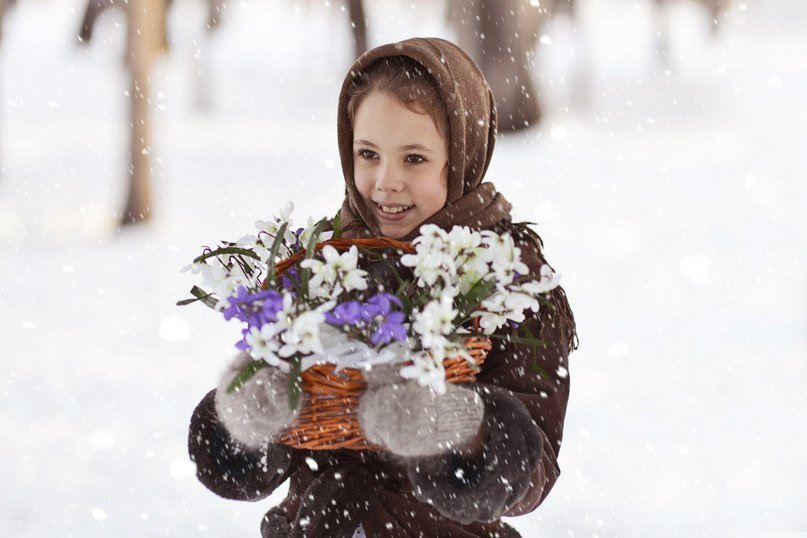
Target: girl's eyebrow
column 407, row 147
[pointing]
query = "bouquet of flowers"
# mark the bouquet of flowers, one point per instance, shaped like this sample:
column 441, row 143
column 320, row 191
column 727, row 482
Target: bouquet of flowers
column 308, row 296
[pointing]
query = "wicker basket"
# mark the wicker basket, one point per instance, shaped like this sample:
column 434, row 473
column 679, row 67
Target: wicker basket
column 329, row 413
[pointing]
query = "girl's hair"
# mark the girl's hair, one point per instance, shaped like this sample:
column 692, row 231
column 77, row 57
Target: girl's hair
column 407, row 80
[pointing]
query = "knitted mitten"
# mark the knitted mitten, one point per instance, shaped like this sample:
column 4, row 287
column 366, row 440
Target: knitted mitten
column 258, row 410
column 484, row 489
column 413, row 421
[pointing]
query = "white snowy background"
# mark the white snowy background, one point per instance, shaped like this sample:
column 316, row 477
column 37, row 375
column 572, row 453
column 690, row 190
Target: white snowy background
column 672, row 199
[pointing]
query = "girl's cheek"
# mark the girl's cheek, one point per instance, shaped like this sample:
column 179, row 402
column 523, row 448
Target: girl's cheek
column 362, row 182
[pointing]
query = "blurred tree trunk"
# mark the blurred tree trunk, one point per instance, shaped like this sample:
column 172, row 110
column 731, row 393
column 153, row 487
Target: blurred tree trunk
column 358, row 24
column 146, row 39
column 4, row 5
column 501, row 35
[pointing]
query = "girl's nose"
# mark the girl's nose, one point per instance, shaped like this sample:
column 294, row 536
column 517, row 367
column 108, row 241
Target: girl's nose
column 388, row 180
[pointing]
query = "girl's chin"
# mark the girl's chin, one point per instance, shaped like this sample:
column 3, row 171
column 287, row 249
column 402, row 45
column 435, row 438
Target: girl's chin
column 396, row 225
column 394, row 232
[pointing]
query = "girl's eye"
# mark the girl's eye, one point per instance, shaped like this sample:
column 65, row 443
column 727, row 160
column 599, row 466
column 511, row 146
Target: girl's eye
column 366, row 154
column 414, row 158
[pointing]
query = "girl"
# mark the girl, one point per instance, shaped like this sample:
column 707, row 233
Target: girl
column 416, row 130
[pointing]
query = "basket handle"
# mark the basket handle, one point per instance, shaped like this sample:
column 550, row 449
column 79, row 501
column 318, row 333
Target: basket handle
column 343, row 243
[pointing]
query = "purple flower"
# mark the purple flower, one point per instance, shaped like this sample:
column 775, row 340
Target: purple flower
column 254, row 308
column 377, row 314
column 388, row 322
column 349, row 313
column 272, row 304
column 242, row 344
column 297, row 246
column 391, row 328
column 290, row 279
column 379, row 305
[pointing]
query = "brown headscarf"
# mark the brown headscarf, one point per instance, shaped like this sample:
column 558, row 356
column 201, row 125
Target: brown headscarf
column 472, row 133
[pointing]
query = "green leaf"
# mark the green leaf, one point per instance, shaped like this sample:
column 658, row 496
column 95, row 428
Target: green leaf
column 531, row 337
column 200, row 295
column 405, row 299
column 535, row 342
column 337, row 225
column 295, row 382
column 226, row 250
column 538, row 370
column 281, row 234
column 468, row 302
column 517, row 339
column 252, row 368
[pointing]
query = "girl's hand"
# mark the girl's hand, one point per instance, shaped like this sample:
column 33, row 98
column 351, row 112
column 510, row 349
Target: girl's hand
column 258, row 411
column 414, row 422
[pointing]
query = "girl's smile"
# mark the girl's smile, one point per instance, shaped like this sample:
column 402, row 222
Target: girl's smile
column 400, row 164
column 392, row 212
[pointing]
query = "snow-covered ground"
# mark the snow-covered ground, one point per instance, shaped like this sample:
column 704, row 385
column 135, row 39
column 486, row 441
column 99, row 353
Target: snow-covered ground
column 672, row 198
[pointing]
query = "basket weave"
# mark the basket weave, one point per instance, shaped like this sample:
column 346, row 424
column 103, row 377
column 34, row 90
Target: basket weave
column 329, row 414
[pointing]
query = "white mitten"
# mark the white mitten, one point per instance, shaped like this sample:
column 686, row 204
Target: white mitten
column 413, row 421
column 257, row 411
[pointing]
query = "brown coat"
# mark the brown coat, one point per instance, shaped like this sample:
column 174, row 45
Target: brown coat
column 525, row 389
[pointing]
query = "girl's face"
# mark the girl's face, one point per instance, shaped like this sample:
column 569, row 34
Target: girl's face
column 400, row 164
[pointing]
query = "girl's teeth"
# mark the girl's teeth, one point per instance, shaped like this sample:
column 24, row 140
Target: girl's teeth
column 393, row 210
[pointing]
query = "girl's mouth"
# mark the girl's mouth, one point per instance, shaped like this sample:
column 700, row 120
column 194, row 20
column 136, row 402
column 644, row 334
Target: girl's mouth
column 392, row 212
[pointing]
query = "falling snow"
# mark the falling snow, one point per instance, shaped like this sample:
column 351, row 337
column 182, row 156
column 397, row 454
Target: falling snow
column 669, row 191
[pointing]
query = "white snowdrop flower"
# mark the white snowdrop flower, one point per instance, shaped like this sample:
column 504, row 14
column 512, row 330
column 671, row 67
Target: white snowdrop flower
column 272, row 228
column 431, row 237
column 549, row 281
column 427, row 372
column 285, row 316
column 504, row 305
column 494, row 313
column 462, row 239
column 490, row 321
column 352, row 277
column 264, row 253
column 263, row 343
column 466, row 249
column 285, row 211
column 433, row 268
column 503, row 256
column 458, row 349
column 336, row 274
column 434, row 323
column 322, row 271
column 437, row 317
column 220, row 281
column 303, row 334
column 516, row 301
column 308, row 231
column 433, row 263
column 247, row 241
column 471, row 271
column 194, row 268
